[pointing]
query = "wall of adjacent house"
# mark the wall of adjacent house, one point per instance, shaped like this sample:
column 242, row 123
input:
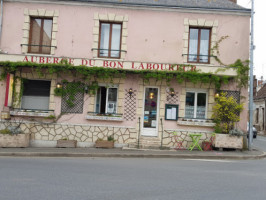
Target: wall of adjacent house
column 259, row 106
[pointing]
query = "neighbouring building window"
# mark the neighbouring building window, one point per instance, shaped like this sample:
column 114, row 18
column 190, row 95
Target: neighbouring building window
column 40, row 35
column 36, row 94
column 110, row 40
column 199, row 45
column 196, row 105
column 257, row 115
column 106, row 100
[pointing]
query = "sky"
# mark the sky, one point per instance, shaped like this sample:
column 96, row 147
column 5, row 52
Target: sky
column 259, row 35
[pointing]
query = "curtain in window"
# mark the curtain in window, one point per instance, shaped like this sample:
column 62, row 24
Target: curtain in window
column 201, row 106
column 112, row 100
column 35, row 35
column 190, row 102
column 116, row 37
column 105, row 34
column 204, row 45
column 41, row 34
column 193, row 45
column 47, row 35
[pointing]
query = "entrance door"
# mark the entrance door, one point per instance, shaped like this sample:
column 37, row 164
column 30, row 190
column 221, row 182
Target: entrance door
column 150, row 118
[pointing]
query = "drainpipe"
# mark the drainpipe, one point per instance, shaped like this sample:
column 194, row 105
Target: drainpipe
column 139, row 133
column 162, row 134
column 1, row 21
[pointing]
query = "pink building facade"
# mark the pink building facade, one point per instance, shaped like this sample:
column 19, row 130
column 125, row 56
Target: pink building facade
column 130, row 37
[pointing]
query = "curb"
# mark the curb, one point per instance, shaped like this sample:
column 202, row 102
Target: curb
column 130, row 155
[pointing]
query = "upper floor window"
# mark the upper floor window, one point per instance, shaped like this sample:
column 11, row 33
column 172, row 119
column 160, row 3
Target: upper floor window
column 110, row 40
column 199, row 45
column 40, row 35
column 196, row 105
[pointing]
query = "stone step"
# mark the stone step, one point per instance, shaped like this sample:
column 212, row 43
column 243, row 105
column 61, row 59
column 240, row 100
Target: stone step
column 147, row 143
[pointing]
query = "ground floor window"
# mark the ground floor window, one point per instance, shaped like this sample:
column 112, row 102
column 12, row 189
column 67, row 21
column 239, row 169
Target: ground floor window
column 196, row 105
column 36, row 94
column 106, row 100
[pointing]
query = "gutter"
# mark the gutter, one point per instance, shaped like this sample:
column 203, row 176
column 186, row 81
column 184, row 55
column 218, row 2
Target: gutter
column 163, row 6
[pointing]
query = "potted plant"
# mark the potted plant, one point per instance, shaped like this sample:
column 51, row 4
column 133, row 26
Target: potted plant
column 109, row 143
column 13, row 137
column 226, row 115
column 65, row 143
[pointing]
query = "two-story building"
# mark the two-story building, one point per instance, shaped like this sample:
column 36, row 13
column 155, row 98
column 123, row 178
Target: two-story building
column 135, row 70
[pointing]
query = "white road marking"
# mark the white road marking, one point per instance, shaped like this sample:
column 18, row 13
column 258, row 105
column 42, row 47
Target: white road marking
column 209, row 160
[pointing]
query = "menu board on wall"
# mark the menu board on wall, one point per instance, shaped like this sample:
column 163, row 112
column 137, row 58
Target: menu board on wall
column 171, row 112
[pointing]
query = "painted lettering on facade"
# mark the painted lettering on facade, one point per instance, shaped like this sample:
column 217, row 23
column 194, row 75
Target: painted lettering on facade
column 109, row 63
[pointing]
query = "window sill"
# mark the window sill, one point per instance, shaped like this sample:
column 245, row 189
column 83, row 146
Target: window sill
column 32, row 113
column 196, row 122
column 104, row 117
column 108, row 59
column 199, row 64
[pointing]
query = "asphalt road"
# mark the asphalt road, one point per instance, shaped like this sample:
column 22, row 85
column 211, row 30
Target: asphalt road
column 260, row 143
column 133, row 179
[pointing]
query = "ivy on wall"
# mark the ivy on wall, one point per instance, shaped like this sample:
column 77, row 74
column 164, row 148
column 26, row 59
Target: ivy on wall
column 86, row 74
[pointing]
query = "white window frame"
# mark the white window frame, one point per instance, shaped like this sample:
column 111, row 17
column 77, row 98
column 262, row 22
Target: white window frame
column 106, row 100
column 196, row 101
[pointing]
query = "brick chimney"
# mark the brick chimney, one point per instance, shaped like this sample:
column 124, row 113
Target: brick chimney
column 234, row 1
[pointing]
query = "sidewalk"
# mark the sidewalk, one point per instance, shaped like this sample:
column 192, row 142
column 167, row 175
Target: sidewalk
column 131, row 153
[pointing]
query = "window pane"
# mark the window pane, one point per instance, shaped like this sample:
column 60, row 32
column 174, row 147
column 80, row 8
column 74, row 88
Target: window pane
column 36, row 88
column 98, row 100
column 204, row 45
column 36, row 95
column 101, row 100
column 190, row 102
column 193, row 45
column 104, row 43
column 201, row 105
column 116, row 37
column 35, row 35
column 112, row 100
column 150, row 108
column 47, row 35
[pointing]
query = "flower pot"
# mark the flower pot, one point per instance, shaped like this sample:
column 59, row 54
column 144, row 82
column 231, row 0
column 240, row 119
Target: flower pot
column 66, row 143
column 228, row 141
column 5, row 115
column 18, row 140
column 104, row 144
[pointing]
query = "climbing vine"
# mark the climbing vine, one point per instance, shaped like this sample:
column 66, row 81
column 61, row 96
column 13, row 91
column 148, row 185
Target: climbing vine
column 69, row 91
column 88, row 76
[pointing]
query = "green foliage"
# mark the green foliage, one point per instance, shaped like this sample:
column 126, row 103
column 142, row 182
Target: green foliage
column 69, row 91
column 88, row 75
column 242, row 70
column 217, row 49
column 110, row 138
column 226, row 113
column 236, row 132
column 51, row 117
column 5, row 132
